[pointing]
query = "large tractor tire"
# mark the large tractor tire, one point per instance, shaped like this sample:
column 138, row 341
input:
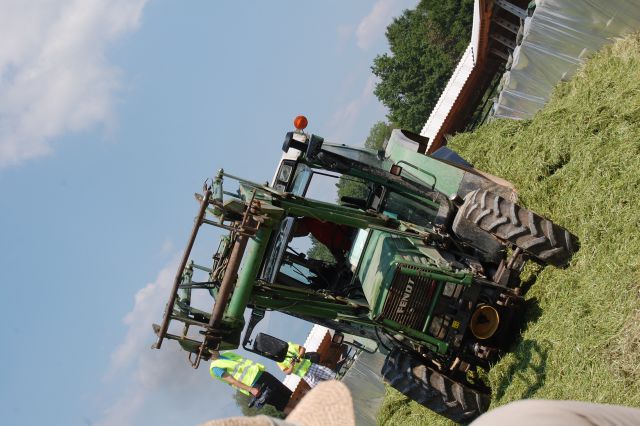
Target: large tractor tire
column 410, row 376
column 537, row 236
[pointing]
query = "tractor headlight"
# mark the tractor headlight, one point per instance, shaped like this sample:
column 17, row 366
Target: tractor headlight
column 285, row 173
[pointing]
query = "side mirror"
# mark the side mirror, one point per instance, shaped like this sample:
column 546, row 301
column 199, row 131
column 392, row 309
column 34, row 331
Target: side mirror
column 314, row 146
column 270, row 347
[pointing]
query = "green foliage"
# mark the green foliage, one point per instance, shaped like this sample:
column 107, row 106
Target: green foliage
column 426, row 44
column 242, row 401
column 378, row 136
column 578, row 163
column 351, row 187
column 377, row 140
column 319, row 251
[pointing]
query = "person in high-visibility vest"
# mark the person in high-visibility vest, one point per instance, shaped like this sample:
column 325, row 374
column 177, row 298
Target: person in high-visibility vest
column 247, row 377
column 310, row 372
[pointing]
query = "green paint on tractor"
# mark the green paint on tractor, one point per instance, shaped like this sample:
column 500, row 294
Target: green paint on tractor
column 427, row 264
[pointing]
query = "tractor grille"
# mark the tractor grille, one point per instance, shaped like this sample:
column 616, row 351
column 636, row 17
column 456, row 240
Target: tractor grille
column 408, row 299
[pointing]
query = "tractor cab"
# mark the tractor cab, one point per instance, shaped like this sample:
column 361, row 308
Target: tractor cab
column 289, row 263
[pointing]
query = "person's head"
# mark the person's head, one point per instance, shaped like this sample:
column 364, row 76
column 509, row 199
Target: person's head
column 214, row 354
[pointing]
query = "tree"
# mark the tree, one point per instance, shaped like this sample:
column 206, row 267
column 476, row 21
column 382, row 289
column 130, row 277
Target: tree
column 426, row 44
column 351, row 187
column 319, row 251
column 378, row 136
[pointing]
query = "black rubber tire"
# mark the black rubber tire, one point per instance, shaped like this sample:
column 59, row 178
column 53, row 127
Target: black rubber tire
column 410, row 376
column 539, row 237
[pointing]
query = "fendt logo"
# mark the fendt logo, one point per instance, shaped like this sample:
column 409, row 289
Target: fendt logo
column 406, row 294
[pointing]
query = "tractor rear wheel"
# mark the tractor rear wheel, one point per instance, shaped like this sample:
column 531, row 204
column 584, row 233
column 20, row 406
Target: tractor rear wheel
column 409, row 375
column 539, row 237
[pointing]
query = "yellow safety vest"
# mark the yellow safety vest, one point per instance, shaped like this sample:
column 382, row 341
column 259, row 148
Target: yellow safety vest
column 301, row 367
column 243, row 370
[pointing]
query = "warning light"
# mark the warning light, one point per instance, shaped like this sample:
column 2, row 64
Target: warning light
column 300, row 122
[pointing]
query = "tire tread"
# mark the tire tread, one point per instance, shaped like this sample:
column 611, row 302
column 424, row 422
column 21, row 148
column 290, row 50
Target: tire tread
column 512, row 223
column 439, row 393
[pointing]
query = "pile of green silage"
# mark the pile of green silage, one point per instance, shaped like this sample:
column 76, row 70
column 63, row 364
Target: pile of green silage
column 576, row 162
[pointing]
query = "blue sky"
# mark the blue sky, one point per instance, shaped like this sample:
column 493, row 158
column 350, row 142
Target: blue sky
column 112, row 114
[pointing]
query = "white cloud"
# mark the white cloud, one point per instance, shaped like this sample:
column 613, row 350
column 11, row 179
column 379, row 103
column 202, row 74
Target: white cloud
column 149, row 371
column 373, row 26
column 148, row 304
column 143, row 377
column 54, row 76
column 345, row 117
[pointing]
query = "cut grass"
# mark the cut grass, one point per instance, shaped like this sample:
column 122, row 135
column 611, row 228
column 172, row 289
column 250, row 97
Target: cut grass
column 576, row 162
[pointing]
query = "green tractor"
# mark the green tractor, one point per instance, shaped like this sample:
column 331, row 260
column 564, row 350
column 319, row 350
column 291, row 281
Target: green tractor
column 426, row 263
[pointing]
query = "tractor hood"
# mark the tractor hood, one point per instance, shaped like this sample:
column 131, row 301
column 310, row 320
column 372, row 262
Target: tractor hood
column 386, row 255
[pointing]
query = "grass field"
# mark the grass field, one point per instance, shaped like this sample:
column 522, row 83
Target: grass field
column 578, row 163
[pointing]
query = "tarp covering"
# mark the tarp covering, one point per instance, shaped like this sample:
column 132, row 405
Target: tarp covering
column 367, row 389
column 559, row 36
